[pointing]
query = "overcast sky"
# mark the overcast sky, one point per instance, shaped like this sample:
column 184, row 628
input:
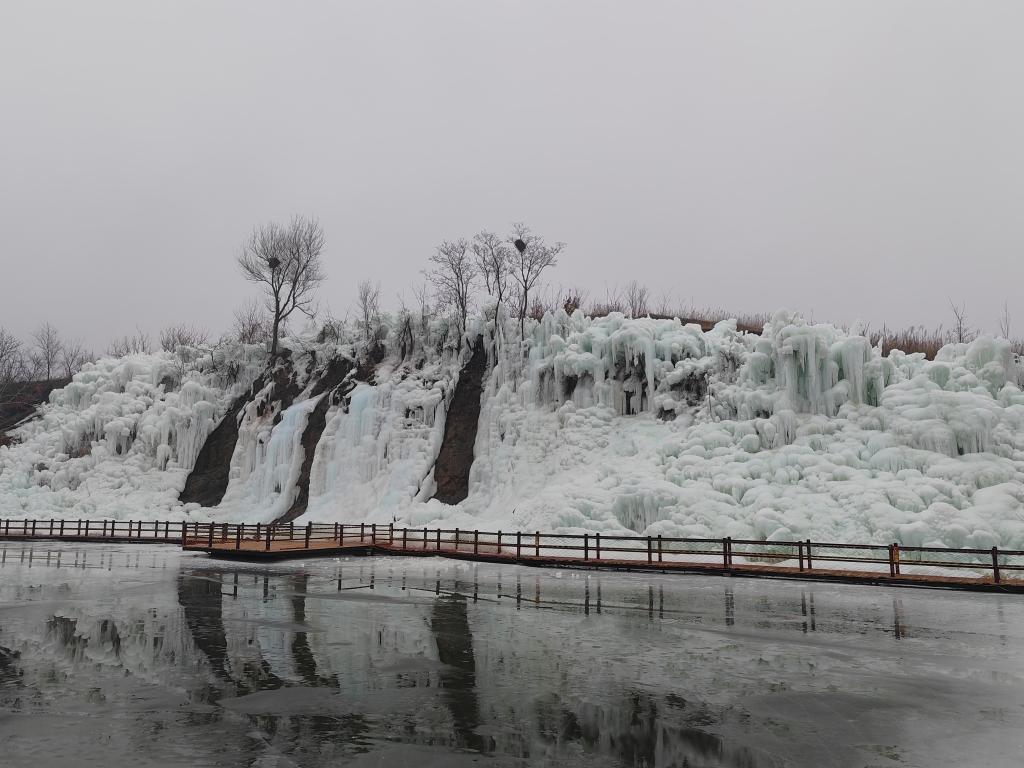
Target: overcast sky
column 847, row 159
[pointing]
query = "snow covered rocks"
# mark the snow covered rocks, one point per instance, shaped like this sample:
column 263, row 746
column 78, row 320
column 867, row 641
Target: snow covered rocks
column 609, row 424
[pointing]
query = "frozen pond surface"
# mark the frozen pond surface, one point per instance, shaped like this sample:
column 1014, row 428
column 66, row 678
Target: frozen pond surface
column 146, row 656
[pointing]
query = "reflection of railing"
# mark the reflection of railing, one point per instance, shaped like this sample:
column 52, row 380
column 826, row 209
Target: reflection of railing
column 934, row 565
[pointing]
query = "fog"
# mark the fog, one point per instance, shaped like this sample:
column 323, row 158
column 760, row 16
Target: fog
column 849, row 160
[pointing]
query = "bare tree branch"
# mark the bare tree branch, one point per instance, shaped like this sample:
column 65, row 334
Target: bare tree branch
column 530, row 257
column 47, row 348
column 454, row 273
column 369, row 307
column 286, row 261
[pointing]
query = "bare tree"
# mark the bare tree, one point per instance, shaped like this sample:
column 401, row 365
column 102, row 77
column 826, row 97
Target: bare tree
column 530, row 257
column 453, row 275
column 421, row 293
column 286, row 262
column 636, row 298
column 139, row 344
column 1004, row 321
column 46, row 350
column 961, row 332
column 73, row 355
column 251, row 323
column 12, row 362
column 493, row 261
column 369, row 307
column 183, row 335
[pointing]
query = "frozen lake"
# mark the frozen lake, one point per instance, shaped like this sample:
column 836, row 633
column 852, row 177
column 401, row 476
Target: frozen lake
column 147, row 656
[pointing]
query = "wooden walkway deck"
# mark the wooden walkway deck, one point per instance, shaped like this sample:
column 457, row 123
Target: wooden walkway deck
column 989, row 570
column 290, row 542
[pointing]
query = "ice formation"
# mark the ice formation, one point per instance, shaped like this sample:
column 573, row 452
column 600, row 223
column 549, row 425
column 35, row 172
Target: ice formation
column 609, row 424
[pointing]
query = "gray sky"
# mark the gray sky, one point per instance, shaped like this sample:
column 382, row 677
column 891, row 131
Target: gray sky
column 847, row 159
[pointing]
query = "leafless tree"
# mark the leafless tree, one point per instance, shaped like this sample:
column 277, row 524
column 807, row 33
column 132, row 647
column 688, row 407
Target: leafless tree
column 139, row 344
column 530, row 257
column 453, row 274
column 665, row 303
column 421, row 293
column 369, row 308
column 251, row 323
column 183, row 335
column 73, row 355
column 12, row 362
column 961, row 332
column 46, row 350
column 1004, row 321
column 286, row 261
column 636, row 298
column 493, row 261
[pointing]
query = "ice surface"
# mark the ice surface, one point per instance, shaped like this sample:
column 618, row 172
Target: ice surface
column 608, row 424
column 159, row 657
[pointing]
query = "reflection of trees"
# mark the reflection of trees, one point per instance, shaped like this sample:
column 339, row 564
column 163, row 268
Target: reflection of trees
column 450, row 625
column 302, row 654
column 200, row 596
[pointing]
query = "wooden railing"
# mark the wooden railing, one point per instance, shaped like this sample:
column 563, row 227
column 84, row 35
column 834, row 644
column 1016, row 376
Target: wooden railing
column 991, row 565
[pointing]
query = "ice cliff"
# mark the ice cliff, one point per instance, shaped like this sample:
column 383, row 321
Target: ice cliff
column 609, row 424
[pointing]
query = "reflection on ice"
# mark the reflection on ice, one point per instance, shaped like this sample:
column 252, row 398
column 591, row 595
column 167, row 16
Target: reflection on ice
column 147, row 656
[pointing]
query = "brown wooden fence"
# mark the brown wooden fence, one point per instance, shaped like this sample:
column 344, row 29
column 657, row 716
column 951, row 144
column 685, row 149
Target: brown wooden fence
column 934, row 565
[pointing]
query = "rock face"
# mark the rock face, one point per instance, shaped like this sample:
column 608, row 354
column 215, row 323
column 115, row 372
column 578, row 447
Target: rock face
column 451, row 472
column 329, row 388
column 21, row 400
column 208, row 479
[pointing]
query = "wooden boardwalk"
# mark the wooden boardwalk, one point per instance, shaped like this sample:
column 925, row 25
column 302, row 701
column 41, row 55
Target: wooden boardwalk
column 291, row 542
column 989, row 570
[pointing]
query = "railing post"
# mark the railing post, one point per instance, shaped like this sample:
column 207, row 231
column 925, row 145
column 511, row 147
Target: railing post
column 309, row 533
column 259, row 531
column 456, row 539
column 87, row 529
column 476, row 542
column 223, row 531
column 167, row 529
column 391, row 534
column 373, row 535
column 405, row 539
column 995, row 565
column 362, row 532
column 519, row 544
column 291, row 530
column 33, row 527
column 62, row 528
column 51, row 526
column 184, row 533
column 659, row 548
column 499, row 542
column 810, row 562
column 892, row 559
column 597, row 546
column 7, row 527
column 650, row 550
column 238, row 536
column 896, row 559
column 269, row 534
column 586, row 546
column 424, row 537
column 336, row 533
column 800, row 553
column 209, row 542
column 438, row 532
column 536, row 543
